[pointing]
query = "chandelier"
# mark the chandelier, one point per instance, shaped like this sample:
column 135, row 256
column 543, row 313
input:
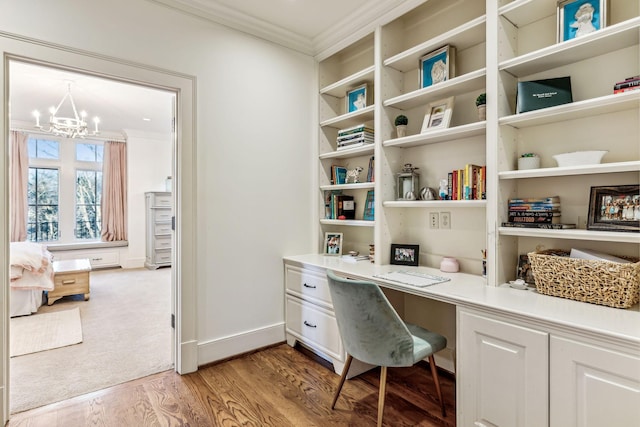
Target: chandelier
column 69, row 127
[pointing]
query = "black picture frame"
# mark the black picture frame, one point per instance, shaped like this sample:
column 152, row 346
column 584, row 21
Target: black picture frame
column 405, row 254
column 614, row 208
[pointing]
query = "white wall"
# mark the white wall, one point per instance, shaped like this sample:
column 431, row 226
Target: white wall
column 149, row 163
column 254, row 144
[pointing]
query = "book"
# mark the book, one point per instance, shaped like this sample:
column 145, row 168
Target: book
column 552, row 199
column 537, row 94
column 371, row 170
column 369, row 207
column 354, row 129
column 338, row 174
column 550, row 207
column 363, row 135
column 538, row 225
column 627, row 89
column 554, row 219
column 354, row 145
column 534, row 214
column 627, row 84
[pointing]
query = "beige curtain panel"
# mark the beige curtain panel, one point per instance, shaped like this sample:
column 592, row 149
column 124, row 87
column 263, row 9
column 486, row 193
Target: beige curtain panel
column 114, row 192
column 19, row 182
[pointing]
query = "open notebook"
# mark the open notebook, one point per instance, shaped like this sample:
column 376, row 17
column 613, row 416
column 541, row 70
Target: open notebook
column 413, row 278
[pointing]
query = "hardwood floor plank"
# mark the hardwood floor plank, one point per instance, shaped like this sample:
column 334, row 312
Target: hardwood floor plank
column 278, row 386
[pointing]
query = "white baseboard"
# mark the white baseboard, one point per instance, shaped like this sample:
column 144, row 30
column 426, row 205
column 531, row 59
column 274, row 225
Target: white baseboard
column 223, row 348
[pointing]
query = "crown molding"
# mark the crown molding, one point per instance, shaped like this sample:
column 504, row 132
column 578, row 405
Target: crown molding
column 223, row 15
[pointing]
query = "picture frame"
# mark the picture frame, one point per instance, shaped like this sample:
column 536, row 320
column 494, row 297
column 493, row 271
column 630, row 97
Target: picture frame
column 438, row 115
column 614, row 208
column 332, row 243
column 577, row 18
column 437, row 66
column 404, row 254
column 357, row 98
column 524, row 270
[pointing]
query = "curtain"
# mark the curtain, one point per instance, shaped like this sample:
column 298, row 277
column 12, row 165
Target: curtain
column 114, row 192
column 19, row 181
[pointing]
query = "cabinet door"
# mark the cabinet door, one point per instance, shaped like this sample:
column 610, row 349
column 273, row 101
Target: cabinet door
column 593, row 386
column 502, row 373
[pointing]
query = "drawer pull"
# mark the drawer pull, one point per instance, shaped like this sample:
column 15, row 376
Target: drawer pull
column 309, row 286
column 69, row 281
column 96, row 259
column 309, row 324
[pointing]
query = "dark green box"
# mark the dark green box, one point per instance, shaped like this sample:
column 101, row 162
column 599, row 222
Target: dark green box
column 537, row 94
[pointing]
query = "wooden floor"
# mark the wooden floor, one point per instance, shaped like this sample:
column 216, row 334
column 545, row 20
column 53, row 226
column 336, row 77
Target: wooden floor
column 279, row 386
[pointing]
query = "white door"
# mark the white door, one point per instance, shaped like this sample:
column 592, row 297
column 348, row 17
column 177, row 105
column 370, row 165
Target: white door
column 502, row 377
column 593, row 386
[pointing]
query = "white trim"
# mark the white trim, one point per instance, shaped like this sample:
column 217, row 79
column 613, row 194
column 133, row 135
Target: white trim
column 223, row 348
column 220, row 14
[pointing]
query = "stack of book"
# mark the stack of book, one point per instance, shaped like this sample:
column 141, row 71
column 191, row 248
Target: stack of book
column 355, row 136
column 339, row 206
column 468, row 183
column 536, row 213
column 630, row 83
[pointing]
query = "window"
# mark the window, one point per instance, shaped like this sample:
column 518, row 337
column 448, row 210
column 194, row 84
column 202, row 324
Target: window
column 65, row 190
column 42, row 199
column 88, row 194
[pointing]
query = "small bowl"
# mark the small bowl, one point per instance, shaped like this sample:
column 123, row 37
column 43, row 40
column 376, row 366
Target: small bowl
column 579, row 158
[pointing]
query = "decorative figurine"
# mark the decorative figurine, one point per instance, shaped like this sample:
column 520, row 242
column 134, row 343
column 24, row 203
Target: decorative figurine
column 353, row 175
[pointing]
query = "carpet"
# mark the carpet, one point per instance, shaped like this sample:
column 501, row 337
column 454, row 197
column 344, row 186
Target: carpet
column 40, row 332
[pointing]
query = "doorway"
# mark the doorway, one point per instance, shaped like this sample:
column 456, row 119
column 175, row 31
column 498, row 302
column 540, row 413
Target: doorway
column 175, row 289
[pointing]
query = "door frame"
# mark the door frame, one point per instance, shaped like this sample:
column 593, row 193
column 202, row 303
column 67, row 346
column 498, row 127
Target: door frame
column 15, row 47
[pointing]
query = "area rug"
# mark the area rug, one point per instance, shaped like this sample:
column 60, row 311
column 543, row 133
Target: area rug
column 46, row 331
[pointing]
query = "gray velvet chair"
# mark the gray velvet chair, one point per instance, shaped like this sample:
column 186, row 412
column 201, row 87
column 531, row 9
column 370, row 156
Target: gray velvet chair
column 373, row 332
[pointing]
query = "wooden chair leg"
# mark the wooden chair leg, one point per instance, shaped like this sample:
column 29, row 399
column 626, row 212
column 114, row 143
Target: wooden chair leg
column 343, row 377
column 381, row 393
column 434, row 373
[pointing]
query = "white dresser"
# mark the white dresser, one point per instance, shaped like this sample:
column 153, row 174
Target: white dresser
column 158, row 225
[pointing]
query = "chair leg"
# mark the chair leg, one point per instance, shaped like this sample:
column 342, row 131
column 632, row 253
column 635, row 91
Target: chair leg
column 381, row 393
column 434, row 373
column 342, row 378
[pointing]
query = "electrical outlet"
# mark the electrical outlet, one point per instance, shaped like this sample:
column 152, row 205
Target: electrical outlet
column 445, row 220
column 434, row 221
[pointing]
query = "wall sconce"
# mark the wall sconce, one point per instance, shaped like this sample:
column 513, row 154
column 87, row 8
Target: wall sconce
column 408, row 183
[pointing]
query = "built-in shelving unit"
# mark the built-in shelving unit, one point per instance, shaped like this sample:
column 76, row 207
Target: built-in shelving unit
column 522, row 46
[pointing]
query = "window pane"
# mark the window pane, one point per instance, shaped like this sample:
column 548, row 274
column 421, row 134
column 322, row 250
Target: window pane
column 42, row 213
column 43, row 148
column 88, row 187
column 86, row 152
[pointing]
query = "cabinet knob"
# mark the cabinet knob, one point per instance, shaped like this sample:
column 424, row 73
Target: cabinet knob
column 309, row 286
column 309, row 324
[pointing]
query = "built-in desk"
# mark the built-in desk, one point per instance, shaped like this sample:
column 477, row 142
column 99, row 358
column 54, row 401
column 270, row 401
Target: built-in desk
column 522, row 358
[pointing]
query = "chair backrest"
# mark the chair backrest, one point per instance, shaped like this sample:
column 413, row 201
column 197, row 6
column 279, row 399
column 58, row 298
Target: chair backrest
column 371, row 329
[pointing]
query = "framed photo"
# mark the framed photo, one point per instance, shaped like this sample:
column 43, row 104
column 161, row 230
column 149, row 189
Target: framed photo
column 333, row 243
column 405, row 254
column 438, row 115
column 357, row 98
column 437, row 66
column 577, row 18
column 524, row 270
column 615, row 208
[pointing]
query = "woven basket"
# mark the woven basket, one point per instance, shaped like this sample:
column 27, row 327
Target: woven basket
column 599, row 282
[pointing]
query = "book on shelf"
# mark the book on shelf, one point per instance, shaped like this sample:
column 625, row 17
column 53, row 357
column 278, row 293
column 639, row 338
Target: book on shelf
column 537, row 94
column 551, row 199
column 338, row 174
column 369, row 207
column 329, row 199
column 371, row 170
column 468, row 183
column 627, row 83
column 543, row 207
column 358, row 135
column 538, row 225
column 354, row 145
column 337, row 204
column 626, row 89
column 554, row 218
column 354, row 129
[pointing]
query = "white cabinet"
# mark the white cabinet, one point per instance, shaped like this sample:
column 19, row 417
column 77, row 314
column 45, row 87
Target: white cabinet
column 158, row 229
column 593, row 385
column 514, row 372
column 502, row 377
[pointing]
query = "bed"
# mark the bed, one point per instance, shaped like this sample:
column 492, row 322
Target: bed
column 31, row 268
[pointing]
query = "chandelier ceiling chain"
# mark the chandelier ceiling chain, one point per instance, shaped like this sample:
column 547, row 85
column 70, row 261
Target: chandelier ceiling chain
column 69, row 127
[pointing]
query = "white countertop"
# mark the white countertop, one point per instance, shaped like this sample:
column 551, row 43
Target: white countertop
column 471, row 291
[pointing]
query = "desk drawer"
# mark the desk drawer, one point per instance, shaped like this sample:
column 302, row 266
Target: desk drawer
column 315, row 326
column 162, row 242
column 309, row 285
column 162, row 228
column 162, row 200
column 160, row 215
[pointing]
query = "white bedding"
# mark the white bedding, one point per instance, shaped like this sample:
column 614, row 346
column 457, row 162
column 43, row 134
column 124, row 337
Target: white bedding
column 31, row 274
